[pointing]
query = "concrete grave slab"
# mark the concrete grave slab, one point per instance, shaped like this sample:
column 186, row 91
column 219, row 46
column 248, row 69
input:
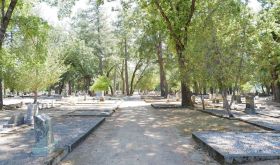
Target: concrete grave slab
column 68, row 132
column 239, row 147
column 99, row 113
column 166, row 106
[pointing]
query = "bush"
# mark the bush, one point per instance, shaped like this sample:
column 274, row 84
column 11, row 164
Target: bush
column 102, row 83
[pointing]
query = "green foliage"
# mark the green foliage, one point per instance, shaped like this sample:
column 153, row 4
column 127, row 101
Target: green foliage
column 149, row 82
column 102, row 83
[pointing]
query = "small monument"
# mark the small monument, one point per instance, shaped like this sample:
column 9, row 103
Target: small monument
column 32, row 110
column 178, row 96
column 43, row 136
column 193, row 99
column 250, row 105
column 15, row 120
column 168, row 98
column 210, row 96
column 52, row 104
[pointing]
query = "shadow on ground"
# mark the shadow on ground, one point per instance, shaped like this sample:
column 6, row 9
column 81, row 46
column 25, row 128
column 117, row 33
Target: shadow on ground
column 137, row 134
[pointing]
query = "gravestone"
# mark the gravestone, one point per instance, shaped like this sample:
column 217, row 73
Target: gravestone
column 19, row 105
column 43, row 106
column 43, row 136
column 47, row 106
column 238, row 99
column 168, row 98
column 52, row 104
column 250, row 105
column 15, row 120
column 100, row 96
column 210, row 96
column 193, row 99
column 205, row 96
column 32, row 110
column 178, row 96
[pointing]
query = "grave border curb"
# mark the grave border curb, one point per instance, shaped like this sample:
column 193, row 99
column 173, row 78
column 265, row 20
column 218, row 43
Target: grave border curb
column 61, row 153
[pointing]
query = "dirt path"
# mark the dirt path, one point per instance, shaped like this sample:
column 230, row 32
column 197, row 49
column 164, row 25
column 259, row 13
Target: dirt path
column 139, row 135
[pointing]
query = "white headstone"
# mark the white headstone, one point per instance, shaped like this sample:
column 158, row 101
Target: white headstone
column 32, row 110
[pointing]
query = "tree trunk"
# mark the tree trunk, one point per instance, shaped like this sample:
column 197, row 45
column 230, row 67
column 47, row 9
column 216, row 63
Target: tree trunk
column 267, row 87
column 225, row 102
column 275, row 85
column 138, row 65
column 276, row 92
column 132, row 81
column 114, row 82
column 163, row 82
column 35, row 97
column 263, row 92
column 202, row 100
column 1, row 95
column 211, row 90
column 196, row 89
column 123, row 79
column 126, row 67
column 204, row 90
column 49, row 91
column 61, row 86
column 69, row 88
column 186, row 93
column 112, row 90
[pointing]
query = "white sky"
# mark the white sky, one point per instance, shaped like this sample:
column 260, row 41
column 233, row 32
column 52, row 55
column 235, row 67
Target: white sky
column 50, row 13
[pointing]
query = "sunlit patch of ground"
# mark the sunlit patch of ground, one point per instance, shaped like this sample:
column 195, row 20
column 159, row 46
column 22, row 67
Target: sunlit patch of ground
column 138, row 134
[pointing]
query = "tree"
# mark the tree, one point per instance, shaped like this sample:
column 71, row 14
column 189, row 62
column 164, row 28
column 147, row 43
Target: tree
column 6, row 14
column 268, row 52
column 102, row 83
column 37, row 63
column 177, row 16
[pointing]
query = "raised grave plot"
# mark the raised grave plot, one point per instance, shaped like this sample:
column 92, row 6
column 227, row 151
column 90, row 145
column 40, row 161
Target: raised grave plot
column 98, row 113
column 68, row 133
column 239, row 147
column 272, row 112
column 166, row 106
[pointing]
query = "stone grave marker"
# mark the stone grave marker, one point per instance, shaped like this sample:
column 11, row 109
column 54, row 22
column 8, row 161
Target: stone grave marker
column 178, row 96
column 32, row 110
column 52, row 104
column 210, row 96
column 168, row 98
column 15, row 120
column 47, row 105
column 250, row 105
column 43, row 136
column 193, row 99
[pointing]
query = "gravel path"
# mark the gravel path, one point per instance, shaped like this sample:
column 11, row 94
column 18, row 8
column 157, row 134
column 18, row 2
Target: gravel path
column 140, row 135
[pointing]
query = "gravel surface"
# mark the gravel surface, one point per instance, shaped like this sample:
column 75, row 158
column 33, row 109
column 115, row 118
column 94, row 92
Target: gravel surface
column 137, row 134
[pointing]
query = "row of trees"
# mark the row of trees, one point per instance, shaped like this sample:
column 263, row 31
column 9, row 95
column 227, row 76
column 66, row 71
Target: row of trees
column 188, row 46
column 220, row 45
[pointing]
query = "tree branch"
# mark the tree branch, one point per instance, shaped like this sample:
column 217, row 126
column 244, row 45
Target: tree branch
column 3, row 11
column 192, row 9
column 6, row 19
column 168, row 23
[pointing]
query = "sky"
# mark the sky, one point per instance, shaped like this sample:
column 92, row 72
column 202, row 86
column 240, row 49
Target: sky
column 50, row 13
